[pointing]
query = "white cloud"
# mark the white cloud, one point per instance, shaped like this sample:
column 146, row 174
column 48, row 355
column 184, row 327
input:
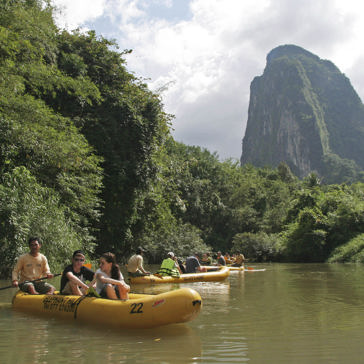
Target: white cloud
column 126, row 10
column 75, row 13
column 209, row 59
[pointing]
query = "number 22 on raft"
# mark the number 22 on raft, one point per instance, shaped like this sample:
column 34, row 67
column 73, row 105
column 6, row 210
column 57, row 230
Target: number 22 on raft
column 136, row 307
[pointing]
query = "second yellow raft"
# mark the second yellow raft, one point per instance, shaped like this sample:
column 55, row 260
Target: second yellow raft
column 231, row 268
column 216, row 276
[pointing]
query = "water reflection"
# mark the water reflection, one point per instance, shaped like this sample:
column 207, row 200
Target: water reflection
column 290, row 313
column 49, row 341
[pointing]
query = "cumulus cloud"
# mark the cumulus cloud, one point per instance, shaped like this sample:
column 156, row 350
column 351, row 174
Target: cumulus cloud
column 207, row 60
column 72, row 14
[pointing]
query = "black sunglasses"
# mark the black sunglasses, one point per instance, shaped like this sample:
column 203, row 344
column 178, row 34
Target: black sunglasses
column 79, row 259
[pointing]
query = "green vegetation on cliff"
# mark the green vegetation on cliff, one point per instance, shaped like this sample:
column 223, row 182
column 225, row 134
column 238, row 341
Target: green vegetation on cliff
column 304, row 112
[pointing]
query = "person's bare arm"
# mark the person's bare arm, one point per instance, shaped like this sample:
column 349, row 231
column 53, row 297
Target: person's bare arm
column 71, row 277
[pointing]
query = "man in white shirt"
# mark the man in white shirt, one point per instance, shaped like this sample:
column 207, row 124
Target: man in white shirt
column 32, row 266
column 135, row 264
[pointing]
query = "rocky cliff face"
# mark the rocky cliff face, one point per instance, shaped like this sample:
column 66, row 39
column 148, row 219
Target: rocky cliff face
column 304, row 111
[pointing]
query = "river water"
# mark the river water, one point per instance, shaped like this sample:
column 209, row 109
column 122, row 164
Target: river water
column 288, row 313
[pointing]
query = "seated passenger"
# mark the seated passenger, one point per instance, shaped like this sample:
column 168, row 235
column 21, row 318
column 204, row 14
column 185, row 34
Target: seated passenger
column 75, row 275
column 239, row 260
column 32, row 266
column 220, row 259
column 135, row 264
column 109, row 280
column 228, row 259
column 181, row 266
column 169, row 266
column 193, row 264
column 206, row 259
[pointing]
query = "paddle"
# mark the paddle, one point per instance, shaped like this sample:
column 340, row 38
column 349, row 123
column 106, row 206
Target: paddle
column 250, row 269
column 35, row 280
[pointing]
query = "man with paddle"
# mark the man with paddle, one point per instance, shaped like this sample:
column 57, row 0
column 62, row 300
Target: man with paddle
column 32, row 267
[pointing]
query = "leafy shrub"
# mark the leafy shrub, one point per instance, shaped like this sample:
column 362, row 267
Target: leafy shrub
column 353, row 251
column 183, row 240
column 258, row 247
column 28, row 209
column 305, row 240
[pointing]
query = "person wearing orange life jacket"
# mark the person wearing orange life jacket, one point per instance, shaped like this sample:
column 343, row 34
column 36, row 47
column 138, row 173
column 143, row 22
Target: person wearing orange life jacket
column 227, row 258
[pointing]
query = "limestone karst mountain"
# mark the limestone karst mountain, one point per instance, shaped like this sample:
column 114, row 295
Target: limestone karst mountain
column 303, row 111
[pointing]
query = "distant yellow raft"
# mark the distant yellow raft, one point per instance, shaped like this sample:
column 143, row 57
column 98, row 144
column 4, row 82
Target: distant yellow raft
column 231, row 268
column 140, row 311
column 219, row 275
column 240, row 269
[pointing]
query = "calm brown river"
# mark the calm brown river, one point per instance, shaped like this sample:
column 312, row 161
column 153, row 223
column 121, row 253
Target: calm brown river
column 289, row 313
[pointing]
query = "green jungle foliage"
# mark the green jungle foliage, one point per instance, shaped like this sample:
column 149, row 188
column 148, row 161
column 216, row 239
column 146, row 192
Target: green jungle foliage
column 353, row 251
column 87, row 161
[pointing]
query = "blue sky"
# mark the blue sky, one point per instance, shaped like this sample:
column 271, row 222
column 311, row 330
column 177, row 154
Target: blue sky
column 205, row 53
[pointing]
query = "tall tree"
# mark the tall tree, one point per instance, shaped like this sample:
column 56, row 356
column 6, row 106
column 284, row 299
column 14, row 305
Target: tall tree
column 127, row 127
column 38, row 146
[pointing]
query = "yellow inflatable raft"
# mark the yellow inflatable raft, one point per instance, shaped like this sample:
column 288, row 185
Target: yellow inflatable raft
column 140, row 311
column 240, row 269
column 216, row 276
column 215, row 267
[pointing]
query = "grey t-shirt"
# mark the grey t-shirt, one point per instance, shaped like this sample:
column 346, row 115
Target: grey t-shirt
column 99, row 284
column 191, row 264
column 221, row 260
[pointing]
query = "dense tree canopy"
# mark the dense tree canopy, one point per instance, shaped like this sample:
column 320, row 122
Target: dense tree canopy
column 87, row 161
column 41, row 150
